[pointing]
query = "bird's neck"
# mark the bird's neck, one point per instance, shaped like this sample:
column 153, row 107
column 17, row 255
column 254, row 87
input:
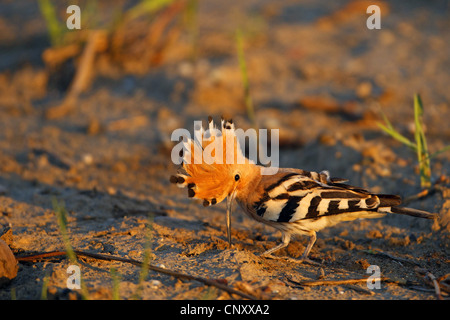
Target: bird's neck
column 251, row 178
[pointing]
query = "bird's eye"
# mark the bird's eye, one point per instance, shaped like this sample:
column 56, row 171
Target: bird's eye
column 237, row 177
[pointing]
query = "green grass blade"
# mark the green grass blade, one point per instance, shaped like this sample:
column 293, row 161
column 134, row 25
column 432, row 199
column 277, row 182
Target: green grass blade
column 62, row 223
column 145, row 7
column 147, row 258
column 243, row 66
column 61, row 213
column 396, row 135
column 54, row 27
column 192, row 26
column 422, row 150
column 386, row 120
column 115, row 284
column 90, row 15
column 44, row 288
column 434, row 154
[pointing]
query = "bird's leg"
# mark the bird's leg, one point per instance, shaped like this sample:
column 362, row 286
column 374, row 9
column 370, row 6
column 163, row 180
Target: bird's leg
column 312, row 240
column 285, row 239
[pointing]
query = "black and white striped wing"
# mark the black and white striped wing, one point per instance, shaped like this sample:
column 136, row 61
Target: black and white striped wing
column 294, row 197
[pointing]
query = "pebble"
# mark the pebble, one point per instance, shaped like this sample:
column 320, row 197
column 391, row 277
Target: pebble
column 364, row 90
column 8, row 264
column 87, row 159
column 155, row 283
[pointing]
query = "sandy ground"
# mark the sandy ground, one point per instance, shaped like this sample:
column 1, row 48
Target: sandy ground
column 316, row 73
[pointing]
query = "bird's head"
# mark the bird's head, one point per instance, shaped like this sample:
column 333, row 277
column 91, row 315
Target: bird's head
column 214, row 167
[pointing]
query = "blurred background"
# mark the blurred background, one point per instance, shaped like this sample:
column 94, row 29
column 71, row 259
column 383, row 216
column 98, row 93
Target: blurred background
column 86, row 115
column 114, row 90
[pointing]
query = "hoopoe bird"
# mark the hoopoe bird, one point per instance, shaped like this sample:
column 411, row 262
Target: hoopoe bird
column 294, row 201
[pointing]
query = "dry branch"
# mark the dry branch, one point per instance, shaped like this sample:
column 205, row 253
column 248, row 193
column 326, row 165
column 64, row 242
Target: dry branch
column 96, row 42
column 343, row 282
column 388, row 255
column 430, row 280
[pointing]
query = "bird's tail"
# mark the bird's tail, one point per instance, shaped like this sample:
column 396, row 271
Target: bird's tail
column 390, row 204
column 414, row 212
column 389, row 200
column 408, row 211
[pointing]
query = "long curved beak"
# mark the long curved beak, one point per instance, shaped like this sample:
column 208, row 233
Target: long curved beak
column 230, row 199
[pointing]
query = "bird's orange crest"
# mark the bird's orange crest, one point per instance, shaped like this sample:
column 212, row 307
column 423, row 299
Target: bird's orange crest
column 211, row 162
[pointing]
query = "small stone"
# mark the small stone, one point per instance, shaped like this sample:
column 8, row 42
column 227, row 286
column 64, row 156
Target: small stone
column 8, row 264
column 87, row 159
column 364, row 90
column 155, row 284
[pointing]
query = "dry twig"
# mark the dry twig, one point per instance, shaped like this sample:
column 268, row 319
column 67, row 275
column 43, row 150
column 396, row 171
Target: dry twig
column 444, row 283
column 388, row 255
column 343, row 282
column 96, row 42
column 438, row 185
column 431, row 280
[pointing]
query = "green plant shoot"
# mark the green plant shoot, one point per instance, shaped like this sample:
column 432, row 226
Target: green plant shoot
column 419, row 145
column 243, row 66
